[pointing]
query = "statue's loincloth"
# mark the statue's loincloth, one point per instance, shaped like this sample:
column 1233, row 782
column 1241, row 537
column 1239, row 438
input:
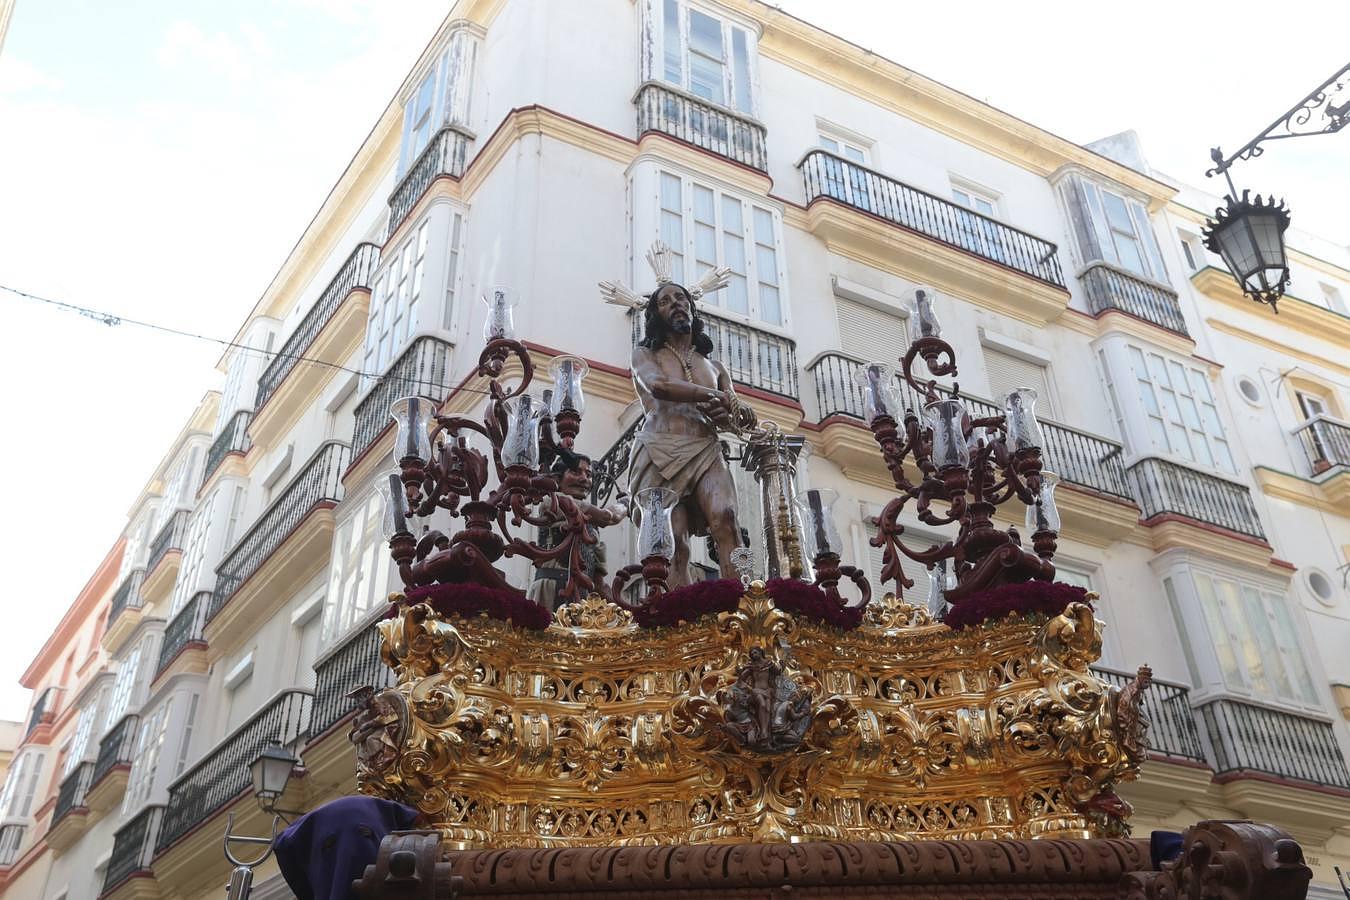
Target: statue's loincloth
column 675, row 461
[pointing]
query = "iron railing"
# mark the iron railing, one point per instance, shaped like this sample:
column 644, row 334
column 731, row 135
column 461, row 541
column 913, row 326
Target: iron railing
column 39, row 709
column 170, row 537
column 1162, row 487
column 133, row 846
column 1326, row 442
column 233, row 438
column 422, row 370
column 128, row 595
column 184, row 629
column 116, row 748
column 607, row 472
column 1171, row 721
column 830, row 176
column 671, row 111
column 445, row 155
column 72, row 793
column 1109, row 287
column 224, row 772
column 1253, row 738
column 320, row 481
column 1076, row 456
column 357, row 272
column 352, row 664
column 753, row 356
column 11, row 839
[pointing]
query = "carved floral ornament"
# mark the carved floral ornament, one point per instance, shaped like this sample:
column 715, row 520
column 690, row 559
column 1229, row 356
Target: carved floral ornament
column 751, row 725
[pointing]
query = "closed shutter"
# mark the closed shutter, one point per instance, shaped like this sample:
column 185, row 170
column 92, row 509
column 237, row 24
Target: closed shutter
column 870, row 334
column 1008, row 372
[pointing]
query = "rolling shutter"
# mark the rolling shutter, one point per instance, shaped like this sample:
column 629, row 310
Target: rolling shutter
column 870, row 334
column 1007, row 372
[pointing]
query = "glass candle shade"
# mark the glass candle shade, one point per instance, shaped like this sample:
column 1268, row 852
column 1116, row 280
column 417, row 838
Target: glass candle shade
column 656, row 536
column 941, row 578
column 877, row 381
column 395, row 506
column 822, row 537
column 413, row 417
column 500, row 322
column 567, row 372
column 520, row 447
column 1024, row 432
column 1043, row 515
column 947, row 418
column 923, row 316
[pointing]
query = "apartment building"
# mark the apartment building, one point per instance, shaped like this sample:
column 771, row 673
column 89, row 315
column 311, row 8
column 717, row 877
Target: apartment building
column 1200, row 438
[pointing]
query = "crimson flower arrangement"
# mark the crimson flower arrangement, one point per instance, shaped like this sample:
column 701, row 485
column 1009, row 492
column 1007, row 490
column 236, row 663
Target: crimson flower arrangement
column 705, row 598
column 468, row 600
column 1026, row 598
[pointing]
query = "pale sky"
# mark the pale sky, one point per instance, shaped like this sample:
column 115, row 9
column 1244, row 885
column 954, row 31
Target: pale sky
column 159, row 160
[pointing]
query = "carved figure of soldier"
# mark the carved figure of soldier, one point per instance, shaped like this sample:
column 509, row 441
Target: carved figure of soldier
column 573, row 473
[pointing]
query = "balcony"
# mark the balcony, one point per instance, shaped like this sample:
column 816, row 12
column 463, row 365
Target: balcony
column 754, row 357
column 43, row 711
column 1112, row 288
column 666, row 109
column 113, row 764
column 124, row 612
column 166, row 552
column 354, row 663
column 607, row 472
column 1172, row 733
column 444, row 157
column 11, row 839
column 223, row 773
column 233, row 438
column 423, row 369
column 318, row 486
column 830, row 177
column 1167, row 488
column 1249, row 738
column 1325, row 442
column 70, row 815
column 133, row 846
column 184, row 634
column 1076, row 456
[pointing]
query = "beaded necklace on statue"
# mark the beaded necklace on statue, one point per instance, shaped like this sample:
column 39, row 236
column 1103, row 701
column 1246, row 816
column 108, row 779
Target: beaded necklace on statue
column 684, row 360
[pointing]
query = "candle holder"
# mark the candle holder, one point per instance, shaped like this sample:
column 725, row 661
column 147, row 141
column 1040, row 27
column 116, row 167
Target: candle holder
column 567, row 401
column 1042, row 521
column 499, row 326
column 824, row 545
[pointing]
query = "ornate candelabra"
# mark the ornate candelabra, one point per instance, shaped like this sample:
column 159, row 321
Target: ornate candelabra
column 967, row 467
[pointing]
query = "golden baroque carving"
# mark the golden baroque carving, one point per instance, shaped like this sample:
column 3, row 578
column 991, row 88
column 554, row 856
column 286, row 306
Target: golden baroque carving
column 752, row 725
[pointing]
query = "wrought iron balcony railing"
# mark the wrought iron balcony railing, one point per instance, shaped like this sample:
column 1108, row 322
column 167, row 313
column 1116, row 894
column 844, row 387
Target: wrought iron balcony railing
column 1110, row 287
column 669, row 110
column 73, row 791
column 357, row 272
column 753, row 356
column 133, row 846
column 833, row 177
column 607, row 472
column 445, row 155
column 224, row 772
column 233, row 438
column 1163, row 487
column 353, row 663
column 1246, row 737
column 1326, row 442
column 1171, row 721
column 422, row 370
column 184, row 629
column 170, row 537
column 11, row 839
column 128, row 595
column 320, row 481
column 1076, row 456
column 116, row 748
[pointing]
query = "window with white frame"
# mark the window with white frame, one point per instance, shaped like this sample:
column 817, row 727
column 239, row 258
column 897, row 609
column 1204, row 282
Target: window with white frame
column 1192, row 250
column 360, row 575
column 232, row 529
column 849, row 150
column 194, row 554
column 138, row 541
column 185, row 739
column 393, row 308
column 181, row 485
column 840, row 180
column 1332, row 299
column 452, row 270
column 975, row 232
column 1110, row 226
column 705, row 54
column 1179, row 408
column 79, row 742
column 707, row 227
column 21, row 784
column 440, row 98
column 149, row 746
column 123, row 686
column 1007, row 372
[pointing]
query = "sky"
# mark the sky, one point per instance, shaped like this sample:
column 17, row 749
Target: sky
column 159, row 159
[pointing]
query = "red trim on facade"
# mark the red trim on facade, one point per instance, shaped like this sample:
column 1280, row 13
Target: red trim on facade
column 1203, row 526
column 93, row 592
column 190, row 645
column 120, row 767
column 1283, row 564
column 593, row 363
column 1247, row 775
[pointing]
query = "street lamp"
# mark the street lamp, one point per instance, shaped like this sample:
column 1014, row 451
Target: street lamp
column 271, row 771
column 1248, row 234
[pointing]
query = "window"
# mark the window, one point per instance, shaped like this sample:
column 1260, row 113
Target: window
column 975, row 201
column 1182, row 417
column 80, row 742
column 194, row 554
column 393, row 309
column 868, row 333
column 452, row 268
column 706, row 228
column 122, row 687
column 976, row 233
column 360, row 575
column 915, row 539
column 1008, row 372
column 440, row 98
column 1192, row 251
column 706, row 56
column 236, row 513
column 149, row 744
column 842, row 181
column 21, row 785
column 138, row 542
column 1111, row 227
column 181, row 485
column 1332, row 299
column 185, row 741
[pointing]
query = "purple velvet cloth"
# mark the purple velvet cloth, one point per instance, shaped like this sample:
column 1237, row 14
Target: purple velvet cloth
column 329, row 848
